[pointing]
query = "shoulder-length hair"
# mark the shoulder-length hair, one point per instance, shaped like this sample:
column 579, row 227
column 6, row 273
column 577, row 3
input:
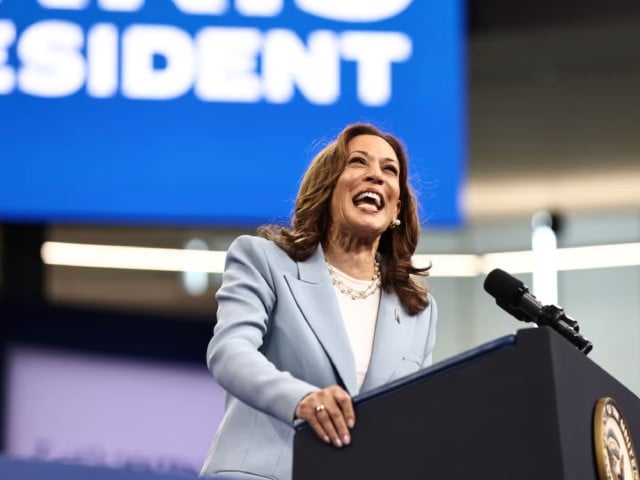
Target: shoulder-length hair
column 311, row 218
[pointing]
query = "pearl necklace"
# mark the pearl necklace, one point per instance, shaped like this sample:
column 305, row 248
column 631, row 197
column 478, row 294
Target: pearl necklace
column 352, row 292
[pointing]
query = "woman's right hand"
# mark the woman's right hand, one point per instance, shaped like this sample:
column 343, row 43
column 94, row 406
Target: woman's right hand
column 330, row 413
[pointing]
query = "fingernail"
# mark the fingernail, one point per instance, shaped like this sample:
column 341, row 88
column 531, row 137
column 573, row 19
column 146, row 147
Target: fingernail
column 326, row 439
column 351, row 423
column 346, row 440
column 338, row 443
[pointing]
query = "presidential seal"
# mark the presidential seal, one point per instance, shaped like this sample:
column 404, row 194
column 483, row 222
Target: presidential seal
column 615, row 456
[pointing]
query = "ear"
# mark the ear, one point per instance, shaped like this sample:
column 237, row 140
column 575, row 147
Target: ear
column 398, row 208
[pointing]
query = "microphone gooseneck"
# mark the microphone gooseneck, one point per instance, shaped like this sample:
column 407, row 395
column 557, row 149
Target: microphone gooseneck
column 513, row 296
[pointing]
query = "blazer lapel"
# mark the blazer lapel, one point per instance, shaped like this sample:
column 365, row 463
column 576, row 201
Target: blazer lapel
column 391, row 339
column 316, row 298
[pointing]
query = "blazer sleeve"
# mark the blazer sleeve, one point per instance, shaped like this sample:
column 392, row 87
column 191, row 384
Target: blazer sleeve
column 245, row 303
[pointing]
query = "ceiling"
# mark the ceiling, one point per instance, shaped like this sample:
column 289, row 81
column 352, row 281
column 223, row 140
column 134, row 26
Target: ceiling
column 554, row 106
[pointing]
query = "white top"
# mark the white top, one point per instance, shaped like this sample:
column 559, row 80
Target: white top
column 359, row 318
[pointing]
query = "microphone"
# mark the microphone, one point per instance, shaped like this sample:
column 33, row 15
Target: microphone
column 513, row 296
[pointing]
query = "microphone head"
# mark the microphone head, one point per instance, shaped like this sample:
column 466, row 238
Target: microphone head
column 503, row 286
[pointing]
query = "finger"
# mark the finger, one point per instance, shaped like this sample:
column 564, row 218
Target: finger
column 318, row 428
column 338, row 424
column 346, row 405
column 310, row 407
column 326, row 417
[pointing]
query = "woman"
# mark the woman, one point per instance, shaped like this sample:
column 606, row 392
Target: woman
column 311, row 315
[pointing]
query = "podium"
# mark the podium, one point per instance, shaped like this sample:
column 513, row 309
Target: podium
column 520, row 407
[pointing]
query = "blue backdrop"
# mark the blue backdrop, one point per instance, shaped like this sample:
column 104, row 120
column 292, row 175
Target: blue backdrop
column 185, row 111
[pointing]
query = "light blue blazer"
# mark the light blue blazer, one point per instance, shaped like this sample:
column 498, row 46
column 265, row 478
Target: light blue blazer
column 279, row 336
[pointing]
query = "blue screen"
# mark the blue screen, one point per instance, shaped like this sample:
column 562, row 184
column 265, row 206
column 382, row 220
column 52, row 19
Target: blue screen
column 209, row 111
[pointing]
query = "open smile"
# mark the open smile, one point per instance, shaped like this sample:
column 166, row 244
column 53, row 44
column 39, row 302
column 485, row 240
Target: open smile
column 370, row 198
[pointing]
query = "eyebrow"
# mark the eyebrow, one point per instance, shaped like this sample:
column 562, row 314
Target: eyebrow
column 367, row 154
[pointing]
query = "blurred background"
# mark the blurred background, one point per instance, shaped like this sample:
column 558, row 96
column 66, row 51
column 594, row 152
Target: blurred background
column 522, row 122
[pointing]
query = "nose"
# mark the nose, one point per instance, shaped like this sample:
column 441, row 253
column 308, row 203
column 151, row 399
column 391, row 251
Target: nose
column 374, row 174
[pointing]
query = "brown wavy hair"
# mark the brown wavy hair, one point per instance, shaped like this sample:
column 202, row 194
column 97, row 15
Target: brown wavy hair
column 312, row 217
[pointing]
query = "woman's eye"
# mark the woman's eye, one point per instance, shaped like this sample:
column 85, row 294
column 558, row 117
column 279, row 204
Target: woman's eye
column 357, row 160
column 391, row 169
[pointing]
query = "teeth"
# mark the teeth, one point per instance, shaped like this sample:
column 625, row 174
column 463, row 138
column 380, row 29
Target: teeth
column 373, row 196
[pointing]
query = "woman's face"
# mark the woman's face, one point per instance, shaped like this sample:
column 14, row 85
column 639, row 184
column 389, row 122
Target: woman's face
column 366, row 198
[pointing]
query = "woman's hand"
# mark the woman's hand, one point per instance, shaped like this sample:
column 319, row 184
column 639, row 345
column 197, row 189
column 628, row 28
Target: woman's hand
column 330, row 413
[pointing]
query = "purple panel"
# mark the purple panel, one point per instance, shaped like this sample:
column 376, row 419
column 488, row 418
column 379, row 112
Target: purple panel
column 100, row 410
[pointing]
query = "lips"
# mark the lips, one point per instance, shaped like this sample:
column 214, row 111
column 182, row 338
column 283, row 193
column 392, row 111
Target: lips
column 369, row 198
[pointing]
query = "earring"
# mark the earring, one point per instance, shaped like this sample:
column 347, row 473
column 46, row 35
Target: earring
column 395, row 223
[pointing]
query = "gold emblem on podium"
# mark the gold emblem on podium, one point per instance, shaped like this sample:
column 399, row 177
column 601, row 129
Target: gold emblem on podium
column 615, row 456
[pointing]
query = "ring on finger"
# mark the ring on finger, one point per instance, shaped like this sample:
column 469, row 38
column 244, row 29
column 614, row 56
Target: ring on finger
column 318, row 408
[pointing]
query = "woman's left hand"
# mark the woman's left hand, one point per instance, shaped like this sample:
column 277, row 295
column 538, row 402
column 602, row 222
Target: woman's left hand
column 330, row 413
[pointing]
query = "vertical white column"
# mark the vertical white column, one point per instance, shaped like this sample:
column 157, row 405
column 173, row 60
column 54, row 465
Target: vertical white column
column 543, row 247
column 194, row 282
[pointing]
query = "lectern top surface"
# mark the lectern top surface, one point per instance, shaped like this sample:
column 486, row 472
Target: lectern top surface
column 437, row 368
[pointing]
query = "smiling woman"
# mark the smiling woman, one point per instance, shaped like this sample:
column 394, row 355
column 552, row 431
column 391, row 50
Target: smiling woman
column 312, row 314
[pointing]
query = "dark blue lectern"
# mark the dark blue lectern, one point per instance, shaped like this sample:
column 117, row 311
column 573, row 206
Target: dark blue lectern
column 521, row 407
